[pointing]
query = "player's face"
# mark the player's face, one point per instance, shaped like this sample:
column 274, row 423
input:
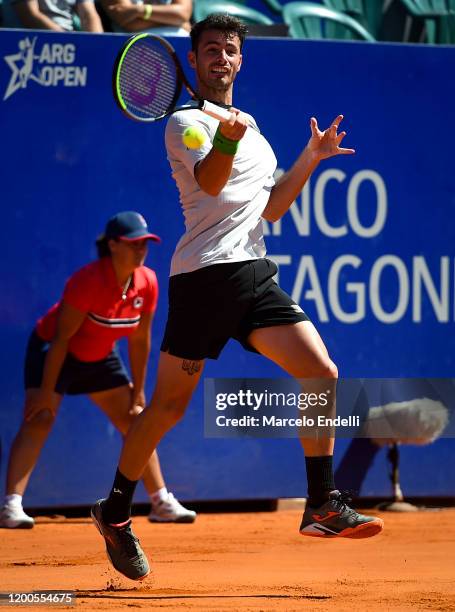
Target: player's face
column 217, row 61
column 129, row 254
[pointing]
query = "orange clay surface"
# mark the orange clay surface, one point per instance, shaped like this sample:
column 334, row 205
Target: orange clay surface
column 242, row 562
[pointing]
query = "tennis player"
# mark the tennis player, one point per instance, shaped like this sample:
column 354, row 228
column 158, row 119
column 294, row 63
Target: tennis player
column 72, row 351
column 222, row 287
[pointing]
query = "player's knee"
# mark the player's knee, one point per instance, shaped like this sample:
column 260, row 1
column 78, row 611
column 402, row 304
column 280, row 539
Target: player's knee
column 322, row 368
column 331, row 370
column 171, row 409
column 175, row 411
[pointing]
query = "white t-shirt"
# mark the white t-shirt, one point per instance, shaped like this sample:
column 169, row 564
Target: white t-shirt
column 228, row 227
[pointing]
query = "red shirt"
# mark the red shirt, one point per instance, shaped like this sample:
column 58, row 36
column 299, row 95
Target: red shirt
column 94, row 290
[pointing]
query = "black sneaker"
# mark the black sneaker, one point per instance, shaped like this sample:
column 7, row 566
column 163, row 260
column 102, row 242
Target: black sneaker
column 336, row 519
column 122, row 546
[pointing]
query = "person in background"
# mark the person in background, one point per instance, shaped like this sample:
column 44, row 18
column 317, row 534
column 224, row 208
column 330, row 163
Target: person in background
column 72, row 350
column 162, row 17
column 57, row 15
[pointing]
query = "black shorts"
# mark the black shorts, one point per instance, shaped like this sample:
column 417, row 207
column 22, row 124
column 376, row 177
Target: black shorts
column 222, row 301
column 76, row 377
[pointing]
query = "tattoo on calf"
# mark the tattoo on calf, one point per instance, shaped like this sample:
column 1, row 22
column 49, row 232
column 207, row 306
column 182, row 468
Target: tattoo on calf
column 191, row 367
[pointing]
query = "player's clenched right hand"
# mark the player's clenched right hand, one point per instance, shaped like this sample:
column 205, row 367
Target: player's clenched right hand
column 235, row 128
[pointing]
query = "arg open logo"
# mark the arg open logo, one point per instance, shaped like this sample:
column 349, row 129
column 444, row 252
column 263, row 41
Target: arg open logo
column 49, row 65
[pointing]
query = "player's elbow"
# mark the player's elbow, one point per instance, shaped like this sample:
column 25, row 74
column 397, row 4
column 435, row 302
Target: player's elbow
column 211, row 191
column 210, row 188
column 211, row 175
column 269, row 216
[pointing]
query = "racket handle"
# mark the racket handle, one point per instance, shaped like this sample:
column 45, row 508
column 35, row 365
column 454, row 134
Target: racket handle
column 215, row 111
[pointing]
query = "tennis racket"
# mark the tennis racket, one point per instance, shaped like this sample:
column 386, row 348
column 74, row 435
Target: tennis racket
column 148, row 80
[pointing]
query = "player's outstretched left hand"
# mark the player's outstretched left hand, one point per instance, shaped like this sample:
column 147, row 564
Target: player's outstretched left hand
column 327, row 144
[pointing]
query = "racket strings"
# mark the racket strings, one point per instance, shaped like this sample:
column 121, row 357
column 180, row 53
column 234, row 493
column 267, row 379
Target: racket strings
column 148, row 80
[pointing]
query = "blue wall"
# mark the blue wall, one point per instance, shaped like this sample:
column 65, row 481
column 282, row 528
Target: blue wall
column 367, row 250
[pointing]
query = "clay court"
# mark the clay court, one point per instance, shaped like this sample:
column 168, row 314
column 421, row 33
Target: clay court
column 249, row 561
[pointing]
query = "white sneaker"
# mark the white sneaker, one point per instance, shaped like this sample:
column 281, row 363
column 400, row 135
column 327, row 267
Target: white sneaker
column 14, row 517
column 171, row 511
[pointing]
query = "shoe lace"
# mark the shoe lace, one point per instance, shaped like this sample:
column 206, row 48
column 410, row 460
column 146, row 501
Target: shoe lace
column 129, row 540
column 343, row 501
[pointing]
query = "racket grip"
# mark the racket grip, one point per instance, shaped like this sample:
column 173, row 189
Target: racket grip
column 215, row 111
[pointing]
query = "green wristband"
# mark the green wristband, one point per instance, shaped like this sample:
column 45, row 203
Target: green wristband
column 225, row 145
column 148, row 10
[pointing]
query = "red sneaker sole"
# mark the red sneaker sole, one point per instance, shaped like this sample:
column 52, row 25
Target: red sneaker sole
column 367, row 530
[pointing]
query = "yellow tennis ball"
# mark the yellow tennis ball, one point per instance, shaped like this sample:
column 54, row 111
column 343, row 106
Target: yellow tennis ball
column 193, row 137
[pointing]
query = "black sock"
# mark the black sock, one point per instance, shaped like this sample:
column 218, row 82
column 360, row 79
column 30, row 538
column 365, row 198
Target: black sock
column 117, row 507
column 319, row 473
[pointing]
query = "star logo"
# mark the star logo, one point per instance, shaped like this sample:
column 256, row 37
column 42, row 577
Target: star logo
column 21, row 65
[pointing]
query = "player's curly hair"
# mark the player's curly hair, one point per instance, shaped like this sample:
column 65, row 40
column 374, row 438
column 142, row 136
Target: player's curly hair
column 224, row 23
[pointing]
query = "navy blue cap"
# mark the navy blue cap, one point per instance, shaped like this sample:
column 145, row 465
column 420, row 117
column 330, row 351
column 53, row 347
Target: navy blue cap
column 130, row 226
